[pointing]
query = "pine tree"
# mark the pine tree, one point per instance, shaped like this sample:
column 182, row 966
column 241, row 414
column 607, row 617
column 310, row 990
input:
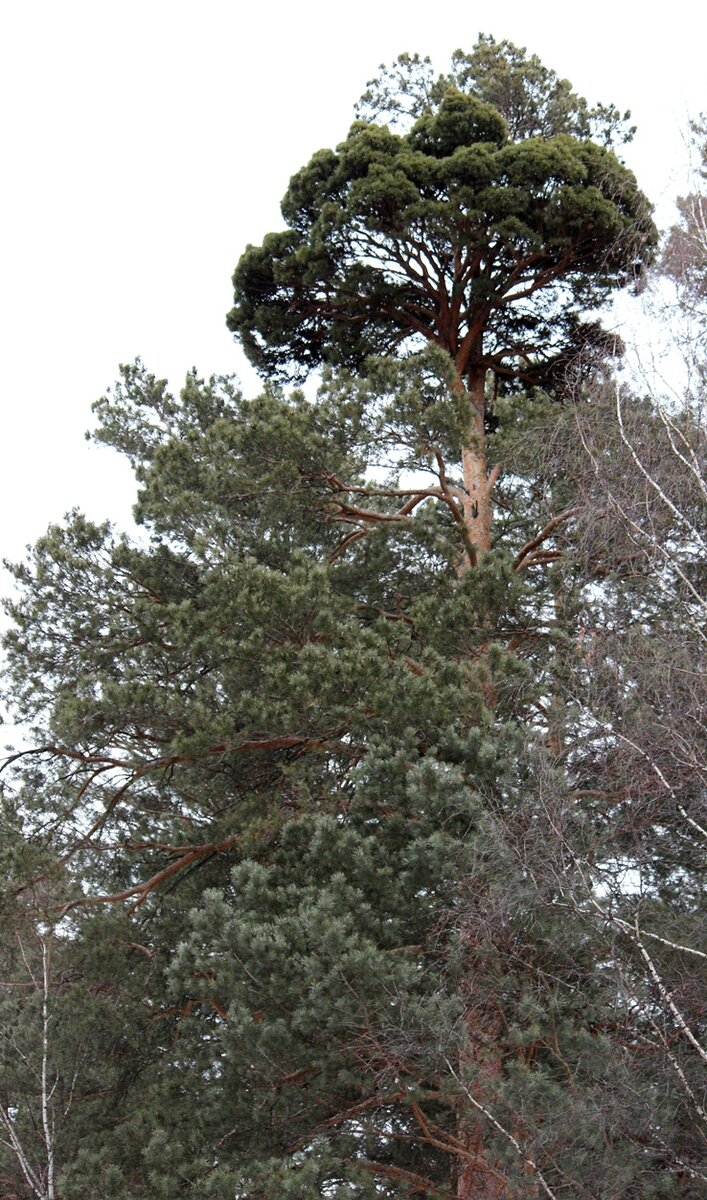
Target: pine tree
column 325, row 822
column 486, row 235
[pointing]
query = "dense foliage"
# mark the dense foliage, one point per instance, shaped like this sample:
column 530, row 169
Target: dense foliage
column 353, row 853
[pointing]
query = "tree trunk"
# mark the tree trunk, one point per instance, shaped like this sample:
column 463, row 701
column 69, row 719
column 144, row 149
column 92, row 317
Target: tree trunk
column 477, row 1180
column 476, row 500
column 477, row 1177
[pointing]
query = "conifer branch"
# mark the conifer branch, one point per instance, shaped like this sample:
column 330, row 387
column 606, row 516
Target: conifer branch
column 541, row 537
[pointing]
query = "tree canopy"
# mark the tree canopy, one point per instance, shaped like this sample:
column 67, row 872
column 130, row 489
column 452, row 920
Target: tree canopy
column 531, row 97
column 487, row 237
column 494, row 247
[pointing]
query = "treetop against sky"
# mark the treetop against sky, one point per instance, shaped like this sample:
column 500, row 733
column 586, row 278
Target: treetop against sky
column 155, row 184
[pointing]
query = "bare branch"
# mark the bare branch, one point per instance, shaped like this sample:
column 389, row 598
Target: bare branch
column 679, row 516
column 504, row 1132
column 543, row 535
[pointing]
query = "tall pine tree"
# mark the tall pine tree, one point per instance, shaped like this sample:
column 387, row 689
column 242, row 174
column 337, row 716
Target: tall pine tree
column 486, row 235
column 317, row 818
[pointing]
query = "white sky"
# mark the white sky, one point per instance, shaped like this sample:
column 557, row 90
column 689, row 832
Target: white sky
column 143, row 144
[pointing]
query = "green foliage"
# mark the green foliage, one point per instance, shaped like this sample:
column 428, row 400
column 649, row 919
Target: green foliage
column 532, row 99
column 390, row 898
column 487, row 239
column 350, row 859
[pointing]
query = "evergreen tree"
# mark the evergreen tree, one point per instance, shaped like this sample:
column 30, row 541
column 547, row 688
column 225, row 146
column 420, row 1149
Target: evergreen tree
column 330, row 833
column 491, row 232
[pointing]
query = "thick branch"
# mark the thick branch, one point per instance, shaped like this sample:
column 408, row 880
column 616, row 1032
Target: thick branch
column 541, row 537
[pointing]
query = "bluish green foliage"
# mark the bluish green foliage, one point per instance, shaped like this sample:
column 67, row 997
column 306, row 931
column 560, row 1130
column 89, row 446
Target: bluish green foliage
column 356, row 886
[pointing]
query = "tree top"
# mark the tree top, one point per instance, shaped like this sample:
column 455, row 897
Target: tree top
column 534, row 100
column 486, row 222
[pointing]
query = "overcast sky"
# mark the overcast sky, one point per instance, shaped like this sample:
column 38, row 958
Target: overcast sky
column 144, row 144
